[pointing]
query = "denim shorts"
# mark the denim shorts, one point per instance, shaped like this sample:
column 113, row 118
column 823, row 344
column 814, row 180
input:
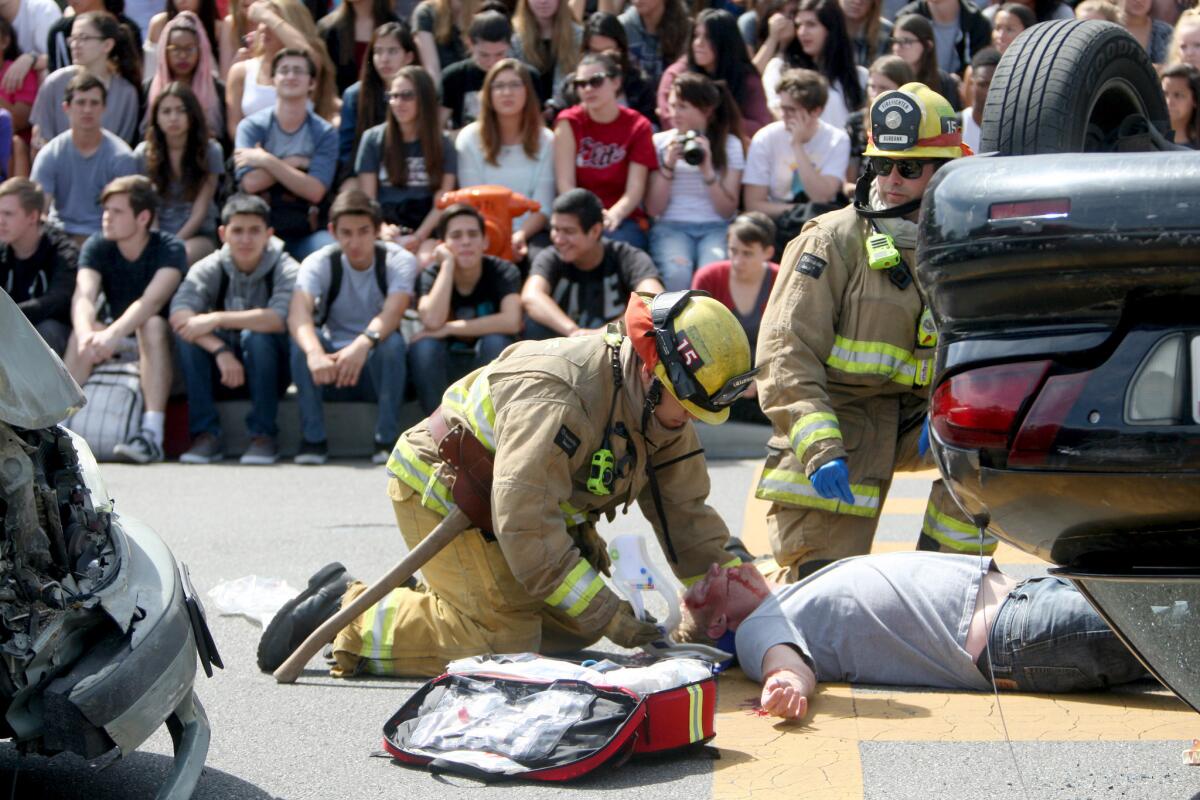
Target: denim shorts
column 1048, row 638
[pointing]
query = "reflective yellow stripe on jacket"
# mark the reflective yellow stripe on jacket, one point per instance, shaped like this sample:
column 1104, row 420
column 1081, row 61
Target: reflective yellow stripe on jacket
column 476, row 406
column 880, row 358
column 573, row 515
column 793, row 488
column 959, row 536
column 408, row 467
column 812, row 428
column 577, row 590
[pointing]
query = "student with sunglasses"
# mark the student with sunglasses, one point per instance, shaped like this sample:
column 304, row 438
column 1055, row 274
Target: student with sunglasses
column 601, row 146
column 846, row 351
column 406, row 162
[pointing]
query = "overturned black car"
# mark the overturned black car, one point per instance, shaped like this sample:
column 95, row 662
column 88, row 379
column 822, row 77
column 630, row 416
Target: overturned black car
column 1065, row 413
column 99, row 628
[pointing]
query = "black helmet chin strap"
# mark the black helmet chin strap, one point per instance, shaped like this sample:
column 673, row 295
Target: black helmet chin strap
column 653, row 396
column 862, row 201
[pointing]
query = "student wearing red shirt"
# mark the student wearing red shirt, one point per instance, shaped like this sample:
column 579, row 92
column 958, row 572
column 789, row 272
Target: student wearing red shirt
column 743, row 285
column 17, row 101
column 606, row 148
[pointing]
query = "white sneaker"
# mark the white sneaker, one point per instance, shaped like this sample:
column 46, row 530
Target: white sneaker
column 140, row 449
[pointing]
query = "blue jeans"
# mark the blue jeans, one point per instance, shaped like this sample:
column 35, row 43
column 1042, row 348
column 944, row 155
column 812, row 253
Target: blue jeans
column 630, row 233
column 264, row 360
column 434, row 363
column 381, row 381
column 537, row 332
column 1048, row 638
column 304, row 246
column 679, row 249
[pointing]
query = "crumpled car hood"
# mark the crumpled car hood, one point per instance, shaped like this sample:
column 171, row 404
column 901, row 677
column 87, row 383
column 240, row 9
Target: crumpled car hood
column 36, row 390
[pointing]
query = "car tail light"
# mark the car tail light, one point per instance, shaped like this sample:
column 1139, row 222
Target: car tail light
column 1046, row 415
column 1058, row 208
column 979, row 409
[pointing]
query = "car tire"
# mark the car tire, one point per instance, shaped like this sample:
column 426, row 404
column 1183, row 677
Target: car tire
column 1066, row 87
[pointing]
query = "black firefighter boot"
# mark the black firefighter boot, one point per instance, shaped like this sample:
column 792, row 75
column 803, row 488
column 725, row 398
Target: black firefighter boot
column 302, row 615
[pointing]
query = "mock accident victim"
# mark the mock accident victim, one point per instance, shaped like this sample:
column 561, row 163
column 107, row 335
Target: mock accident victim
column 907, row 619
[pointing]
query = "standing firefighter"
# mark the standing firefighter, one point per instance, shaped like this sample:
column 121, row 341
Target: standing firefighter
column 575, row 428
column 846, row 350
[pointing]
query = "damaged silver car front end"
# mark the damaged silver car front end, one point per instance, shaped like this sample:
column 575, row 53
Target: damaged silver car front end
column 99, row 629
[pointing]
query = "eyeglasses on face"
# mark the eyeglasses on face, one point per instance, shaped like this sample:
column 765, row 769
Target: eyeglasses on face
column 909, row 168
column 402, row 96
column 596, row 81
column 898, row 42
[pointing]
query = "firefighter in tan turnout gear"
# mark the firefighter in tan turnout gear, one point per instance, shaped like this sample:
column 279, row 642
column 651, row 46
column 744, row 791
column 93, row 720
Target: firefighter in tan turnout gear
column 578, row 427
column 846, row 352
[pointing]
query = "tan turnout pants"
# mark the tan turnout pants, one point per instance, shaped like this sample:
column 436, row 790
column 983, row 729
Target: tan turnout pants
column 470, row 604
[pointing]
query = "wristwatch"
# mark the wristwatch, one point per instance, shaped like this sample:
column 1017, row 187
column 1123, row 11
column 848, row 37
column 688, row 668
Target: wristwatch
column 372, row 336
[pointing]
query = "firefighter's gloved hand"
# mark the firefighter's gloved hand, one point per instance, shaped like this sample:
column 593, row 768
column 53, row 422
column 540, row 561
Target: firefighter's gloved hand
column 594, row 549
column 627, row 630
column 832, row 481
column 923, row 440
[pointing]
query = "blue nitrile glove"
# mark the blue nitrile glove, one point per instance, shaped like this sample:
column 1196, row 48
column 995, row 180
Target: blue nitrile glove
column 832, row 481
column 923, row 441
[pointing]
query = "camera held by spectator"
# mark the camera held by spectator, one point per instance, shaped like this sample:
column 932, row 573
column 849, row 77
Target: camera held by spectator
column 693, row 152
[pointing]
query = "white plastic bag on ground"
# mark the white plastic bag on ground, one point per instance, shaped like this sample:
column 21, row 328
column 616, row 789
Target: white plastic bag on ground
column 253, row 597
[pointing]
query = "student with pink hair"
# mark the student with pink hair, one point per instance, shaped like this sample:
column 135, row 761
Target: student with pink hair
column 187, row 58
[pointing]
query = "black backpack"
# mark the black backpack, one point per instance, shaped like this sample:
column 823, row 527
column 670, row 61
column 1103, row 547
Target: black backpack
column 335, row 280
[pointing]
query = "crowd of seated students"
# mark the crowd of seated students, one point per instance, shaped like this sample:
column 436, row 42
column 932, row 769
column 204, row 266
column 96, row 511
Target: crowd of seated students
column 246, row 191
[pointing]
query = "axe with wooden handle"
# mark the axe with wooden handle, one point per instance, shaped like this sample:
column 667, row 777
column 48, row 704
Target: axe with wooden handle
column 455, row 523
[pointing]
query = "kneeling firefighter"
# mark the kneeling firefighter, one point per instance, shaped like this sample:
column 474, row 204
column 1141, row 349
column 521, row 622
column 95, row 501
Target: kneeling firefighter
column 846, row 351
column 565, row 430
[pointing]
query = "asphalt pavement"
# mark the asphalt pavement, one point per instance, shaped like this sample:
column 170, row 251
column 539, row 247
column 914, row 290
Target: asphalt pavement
column 319, row 737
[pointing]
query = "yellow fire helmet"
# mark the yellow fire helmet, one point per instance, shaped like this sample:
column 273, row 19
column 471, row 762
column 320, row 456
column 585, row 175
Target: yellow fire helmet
column 914, row 121
column 696, row 347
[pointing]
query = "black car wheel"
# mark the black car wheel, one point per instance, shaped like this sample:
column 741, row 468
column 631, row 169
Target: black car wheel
column 1067, row 87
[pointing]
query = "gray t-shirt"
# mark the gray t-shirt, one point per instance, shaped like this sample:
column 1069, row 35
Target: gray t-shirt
column 945, row 39
column 75, row 182
column 175, row 208
column 644, row 47
column 359, row 298
column 896, row 618
column 120, row 108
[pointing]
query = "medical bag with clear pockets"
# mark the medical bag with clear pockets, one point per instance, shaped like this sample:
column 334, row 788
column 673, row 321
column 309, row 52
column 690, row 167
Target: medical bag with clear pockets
column 534, row 718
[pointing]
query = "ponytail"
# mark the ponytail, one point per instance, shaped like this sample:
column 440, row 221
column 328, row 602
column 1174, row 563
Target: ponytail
column 126, row 56
column 724, row 120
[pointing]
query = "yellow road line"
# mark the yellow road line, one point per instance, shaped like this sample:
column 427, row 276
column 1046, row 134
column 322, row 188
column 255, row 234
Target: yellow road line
column 819, row 758
column 1005, row 553
column 905, row 505
column 916, row 716
column 816, row 759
